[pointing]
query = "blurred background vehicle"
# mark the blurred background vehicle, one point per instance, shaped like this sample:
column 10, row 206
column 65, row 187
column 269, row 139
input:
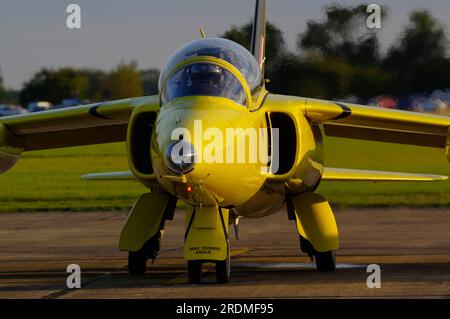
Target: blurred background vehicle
column 6, row 110
column 39, row 106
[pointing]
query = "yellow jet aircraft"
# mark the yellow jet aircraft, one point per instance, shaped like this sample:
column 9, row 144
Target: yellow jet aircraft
column 216, row 84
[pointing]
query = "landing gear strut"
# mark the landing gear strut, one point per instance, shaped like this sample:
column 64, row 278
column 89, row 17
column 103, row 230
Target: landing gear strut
column 325, row 261
column 137, row 260
column 316, row 227
column 206, row 241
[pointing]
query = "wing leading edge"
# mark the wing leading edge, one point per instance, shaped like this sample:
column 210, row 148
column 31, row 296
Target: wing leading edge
column 82, row 125
column 378, row 124
column 356, row 175
column 110, row 176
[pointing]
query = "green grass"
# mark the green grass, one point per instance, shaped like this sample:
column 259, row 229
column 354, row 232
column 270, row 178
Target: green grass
column 50, row 180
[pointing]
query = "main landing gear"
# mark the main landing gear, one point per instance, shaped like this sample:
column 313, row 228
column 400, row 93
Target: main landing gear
column 141, row 234
column 325, row 261
column 137, row 260
column 316, row 228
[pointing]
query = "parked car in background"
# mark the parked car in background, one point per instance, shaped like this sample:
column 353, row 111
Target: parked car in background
column 39, row 106
column 6, row 110
column 385, row 101
column 69, row 103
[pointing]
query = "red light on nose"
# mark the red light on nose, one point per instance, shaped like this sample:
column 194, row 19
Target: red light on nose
column 188, row 189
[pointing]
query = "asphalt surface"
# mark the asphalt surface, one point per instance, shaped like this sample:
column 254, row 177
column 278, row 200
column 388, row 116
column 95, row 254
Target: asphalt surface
column 412, row 247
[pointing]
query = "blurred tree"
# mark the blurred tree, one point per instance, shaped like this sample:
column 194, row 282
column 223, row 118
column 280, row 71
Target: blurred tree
column 97, row 89
column 422, row 40
column 125, row 81
column 275, row 45
column 343, row 35
column 340, row 56
column 419, row 60
column 10, row 97
column 150, row 81
column 54, row 86
column 327, row 78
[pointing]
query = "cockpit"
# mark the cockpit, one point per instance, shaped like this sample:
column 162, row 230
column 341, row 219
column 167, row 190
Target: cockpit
column 211, row 67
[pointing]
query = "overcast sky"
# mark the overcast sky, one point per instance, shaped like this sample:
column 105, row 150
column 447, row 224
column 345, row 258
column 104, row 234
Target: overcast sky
column 33, row 34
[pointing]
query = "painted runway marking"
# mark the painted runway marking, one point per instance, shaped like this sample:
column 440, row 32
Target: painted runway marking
column 291, row 266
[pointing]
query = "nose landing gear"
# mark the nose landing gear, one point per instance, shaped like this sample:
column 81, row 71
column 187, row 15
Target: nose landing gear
column 206, row 241
column 222, row 271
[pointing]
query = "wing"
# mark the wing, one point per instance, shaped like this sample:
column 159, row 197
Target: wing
column 110, row 176
column 342, row 174
column 378, row 124
column 82, row 125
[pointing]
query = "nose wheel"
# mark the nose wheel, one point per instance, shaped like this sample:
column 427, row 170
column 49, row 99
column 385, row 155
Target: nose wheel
column 222, row 271
column 194, row 271
column 206, row 241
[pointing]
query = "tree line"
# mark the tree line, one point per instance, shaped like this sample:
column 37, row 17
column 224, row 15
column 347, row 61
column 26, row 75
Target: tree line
column 88, row 85
column 340, row 58
column 337, row 57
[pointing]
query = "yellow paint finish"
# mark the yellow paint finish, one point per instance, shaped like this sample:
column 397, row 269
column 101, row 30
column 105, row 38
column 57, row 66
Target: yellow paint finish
column 97, row 123
column 306, row 171
column 146, row 179
column 379, row 124
column 367, row 116
column 315, row 221
column 110, row 176
column 447, row 152
column 342, row 174
column 11, row 148
column 206, row 238
column 78, row 117
column 144, row 220
column 207, row 178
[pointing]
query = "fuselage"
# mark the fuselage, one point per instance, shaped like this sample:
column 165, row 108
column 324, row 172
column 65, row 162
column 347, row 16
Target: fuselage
column 221, row 139
column 254, row 189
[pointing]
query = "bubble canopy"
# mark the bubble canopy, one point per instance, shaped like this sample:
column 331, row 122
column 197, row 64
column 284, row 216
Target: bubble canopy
column 219, row 48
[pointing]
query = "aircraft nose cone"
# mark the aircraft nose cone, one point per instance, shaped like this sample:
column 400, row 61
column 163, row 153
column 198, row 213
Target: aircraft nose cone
column 180, row 157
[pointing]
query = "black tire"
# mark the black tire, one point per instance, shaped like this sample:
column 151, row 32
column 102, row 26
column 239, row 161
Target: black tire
column 325, row 261
column 137, row 262
column 194, row 271
column 223, row 270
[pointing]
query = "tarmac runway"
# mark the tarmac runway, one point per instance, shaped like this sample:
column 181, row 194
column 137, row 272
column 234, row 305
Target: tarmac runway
column 412, row 247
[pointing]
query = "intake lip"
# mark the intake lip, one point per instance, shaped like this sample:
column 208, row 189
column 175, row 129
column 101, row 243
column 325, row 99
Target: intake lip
column 180, row 157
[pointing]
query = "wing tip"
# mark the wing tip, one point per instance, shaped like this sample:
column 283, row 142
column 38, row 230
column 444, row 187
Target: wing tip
column 355, row 175
column 127, row 175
